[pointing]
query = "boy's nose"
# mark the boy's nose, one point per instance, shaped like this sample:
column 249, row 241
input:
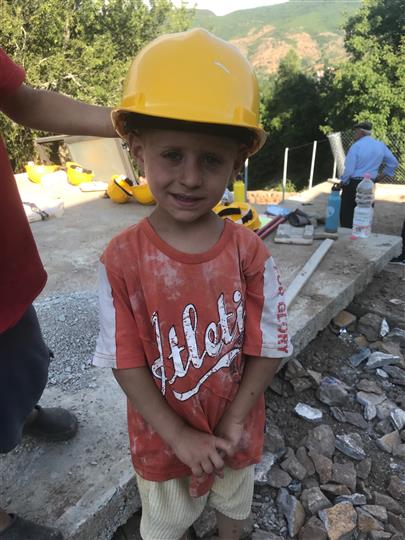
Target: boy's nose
column 191, row 175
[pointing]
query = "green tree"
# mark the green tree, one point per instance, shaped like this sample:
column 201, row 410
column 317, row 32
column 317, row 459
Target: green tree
column 81, row 48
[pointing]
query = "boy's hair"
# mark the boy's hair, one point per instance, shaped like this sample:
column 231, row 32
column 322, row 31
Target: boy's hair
column 135, row 123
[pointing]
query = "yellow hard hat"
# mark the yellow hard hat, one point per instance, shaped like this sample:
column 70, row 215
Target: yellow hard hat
column 119, row 188
column 77, row 174
column 193, row 76
column 143, row 194
column 240, row 212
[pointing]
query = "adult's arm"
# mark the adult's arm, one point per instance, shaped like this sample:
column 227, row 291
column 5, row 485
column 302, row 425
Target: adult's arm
column 50, row 111
column 350, row 165
column 390, row 161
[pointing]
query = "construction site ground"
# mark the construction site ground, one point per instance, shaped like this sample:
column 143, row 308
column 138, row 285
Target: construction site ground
column 86, row 486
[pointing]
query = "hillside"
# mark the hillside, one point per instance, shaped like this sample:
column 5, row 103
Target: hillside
column 265, row 34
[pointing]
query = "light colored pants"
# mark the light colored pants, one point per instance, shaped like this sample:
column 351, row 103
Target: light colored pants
column 168, row 510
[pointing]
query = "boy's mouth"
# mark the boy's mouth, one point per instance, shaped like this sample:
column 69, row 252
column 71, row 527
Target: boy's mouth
column 185, row 199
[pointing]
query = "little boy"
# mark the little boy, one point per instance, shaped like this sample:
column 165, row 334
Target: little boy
column 193, row 319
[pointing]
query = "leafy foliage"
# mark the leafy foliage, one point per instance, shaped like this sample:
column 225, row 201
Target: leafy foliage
column 81, row 48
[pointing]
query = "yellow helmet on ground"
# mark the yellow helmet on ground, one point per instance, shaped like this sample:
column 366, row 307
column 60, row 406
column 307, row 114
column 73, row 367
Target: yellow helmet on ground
column 119, row 188
column 193, row 76
column 240, row 212
column 143, row 194
column 77, row 174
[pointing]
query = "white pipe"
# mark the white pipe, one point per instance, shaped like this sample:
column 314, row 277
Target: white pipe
column 285, row 171
column 246, row 178
column 311, row 174
column 334, row 169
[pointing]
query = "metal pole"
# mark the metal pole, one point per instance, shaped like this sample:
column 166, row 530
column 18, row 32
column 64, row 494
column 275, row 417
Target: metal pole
column 285, row 171
column 311, row 174
column 334, row 169
column 246, row 178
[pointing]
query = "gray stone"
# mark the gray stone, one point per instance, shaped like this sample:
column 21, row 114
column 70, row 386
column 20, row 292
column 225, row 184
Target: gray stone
column 295, row 370
column 338, row 414
column 293, row 467
column 308, row 413
column 310, row 482
column 383, row 426
column 367, row 385
column 295, row 487
column 316, row 375
column 398, row 418
column 323, row 466
column 380, row 535
column 356, row 499
column 335, row 490
column 314, row 500
column 265, row 535
column 359, row 357
column 363, row 468
column 351, row 445
column 301, row 384
column 369, row 398
column 321, row 440
column 377, row 511
column 396, row 373
column 339, row 520
column 292, row 510
column 389, row 442
column 366, row 522
column 396, row 487
column 313, row 530
column 262, row 468
column 344, row 473
column 399, row 451
column 396, row 335
column 388, row 502
column 397, row 521
column 273, row 440
column 305, row 460
column 332, row 391
column 381, row 373
column 385, row 408
column 381, row 360
column 369, row 325
column 278, row 478
column 355, row 419
column 344, row 319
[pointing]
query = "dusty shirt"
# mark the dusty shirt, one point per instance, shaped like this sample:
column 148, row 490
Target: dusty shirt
column 191, row 318
column 22, row 276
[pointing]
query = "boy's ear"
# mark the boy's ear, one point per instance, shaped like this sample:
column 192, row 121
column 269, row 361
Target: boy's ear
column 136, row 148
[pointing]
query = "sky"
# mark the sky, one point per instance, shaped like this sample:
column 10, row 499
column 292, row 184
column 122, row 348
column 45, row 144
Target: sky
column 222, row 7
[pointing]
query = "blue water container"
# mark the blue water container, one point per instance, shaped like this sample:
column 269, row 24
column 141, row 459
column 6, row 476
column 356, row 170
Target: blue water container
column 333, row 210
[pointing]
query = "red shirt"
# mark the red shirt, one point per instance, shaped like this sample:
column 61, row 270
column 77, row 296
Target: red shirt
column 191, row 319
column 22, row 276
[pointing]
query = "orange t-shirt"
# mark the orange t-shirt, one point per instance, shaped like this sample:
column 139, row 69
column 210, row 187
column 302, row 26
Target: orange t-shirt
column 190, row 318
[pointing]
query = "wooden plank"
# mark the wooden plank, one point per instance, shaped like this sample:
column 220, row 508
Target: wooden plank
column 306, row 271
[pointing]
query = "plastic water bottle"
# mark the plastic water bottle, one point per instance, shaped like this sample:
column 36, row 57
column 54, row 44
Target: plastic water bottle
column 363, row 213
column 333, row 210
column 239, row 191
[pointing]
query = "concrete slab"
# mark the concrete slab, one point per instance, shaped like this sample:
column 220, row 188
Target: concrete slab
column 86, row 486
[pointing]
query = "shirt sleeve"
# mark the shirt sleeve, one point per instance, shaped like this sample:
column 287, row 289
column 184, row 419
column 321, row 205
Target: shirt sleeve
column 118, row 344
column 11, row 75
column 350, row 165
column 266, row 327
column 390, row 161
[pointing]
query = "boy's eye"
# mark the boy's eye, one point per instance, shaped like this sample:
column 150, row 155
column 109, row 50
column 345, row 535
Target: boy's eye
column 212, row 159
column 172, row 155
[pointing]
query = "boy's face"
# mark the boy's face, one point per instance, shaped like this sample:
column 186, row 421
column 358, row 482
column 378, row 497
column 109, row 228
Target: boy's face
column 187, row 172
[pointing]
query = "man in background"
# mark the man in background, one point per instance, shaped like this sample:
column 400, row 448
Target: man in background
column 364, row 156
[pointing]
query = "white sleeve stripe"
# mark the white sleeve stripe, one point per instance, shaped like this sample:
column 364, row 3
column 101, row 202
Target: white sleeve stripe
column 273, row 322
column 105, row 354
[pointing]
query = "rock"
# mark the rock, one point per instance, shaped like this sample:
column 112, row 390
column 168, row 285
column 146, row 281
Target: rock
column 206, row 524
column 378, row 359
column 314, row 500
column 388, row 502
column 293, row 467
column 315, row 375
column 369, row 325
column 305, row 460
column 355, row 419
column 308, row 413
column 265, row 535
column 262, row 469
column 292, row 510
column 338, row 414
column 323, row 466
column 357, row 499
column 360, row 341
column 396, row 487
column 344, row 473
column 384, row 328
column 397, row 521
column 310, row 482
column 381, row 373
column 385, row 408
column 363, row 468
column 344, row 319
column 396, row 335
column 368, row 385
column 273, row 440
column 366, row 522
column 351, row 445
column 359, row 357
column 278, row 478
column 301, row 384
column 313, row 530
column 332, row 391
column 398, row 418
column 399, row 451
column 380, row 535
column 396, row 373
column 369, row 401
column 383, row 427
column 339, row 520
column 377, row 511
column 391, row 347
column 335, row 490
column 389, row 442
column 277, row 385
column 295, row 487
column 321, row 440
column 295, row 370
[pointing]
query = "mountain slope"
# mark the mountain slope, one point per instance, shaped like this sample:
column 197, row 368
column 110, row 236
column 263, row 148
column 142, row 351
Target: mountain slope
column 265, row 34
